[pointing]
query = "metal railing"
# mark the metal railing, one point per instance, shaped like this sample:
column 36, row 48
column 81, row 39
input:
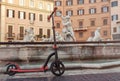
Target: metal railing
column 10, row 36
column 116, row 36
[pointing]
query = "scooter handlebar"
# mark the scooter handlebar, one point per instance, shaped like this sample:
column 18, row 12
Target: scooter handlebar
column 52, row 13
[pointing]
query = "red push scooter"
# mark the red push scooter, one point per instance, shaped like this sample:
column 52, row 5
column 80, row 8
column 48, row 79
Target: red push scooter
column 56, row 67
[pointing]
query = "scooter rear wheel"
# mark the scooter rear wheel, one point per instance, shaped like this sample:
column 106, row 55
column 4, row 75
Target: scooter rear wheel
column 9, row 67
column 57, row 68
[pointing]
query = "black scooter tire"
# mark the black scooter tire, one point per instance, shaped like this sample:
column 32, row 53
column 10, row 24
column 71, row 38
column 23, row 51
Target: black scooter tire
column 57, row 68
column 9, row 67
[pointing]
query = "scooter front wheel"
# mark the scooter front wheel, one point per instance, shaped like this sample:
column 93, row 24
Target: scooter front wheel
column 57, row 68
column 9, row 67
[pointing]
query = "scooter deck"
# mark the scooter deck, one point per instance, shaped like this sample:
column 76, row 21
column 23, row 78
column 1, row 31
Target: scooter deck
column 30, row 70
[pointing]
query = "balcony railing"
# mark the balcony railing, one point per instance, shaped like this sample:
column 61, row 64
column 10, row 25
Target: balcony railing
column 116, row 36
column 10, row 36
column 20, row 36
column 38, row 37
column 80, row 29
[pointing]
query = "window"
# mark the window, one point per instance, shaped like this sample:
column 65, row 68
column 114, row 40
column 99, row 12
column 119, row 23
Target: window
column 10, row 1
column 58, row 13
column 21, row 15
column 57, row 3
column 40, row 5
column 32, row 16
column 49, row 7
column 21, row 2
column 31, row 3
column 10, row 13
column 40, row 17
column 114, row 3
column 92, row 10
column 104, row 0
column 92, row 1
column 69, row 2
column 80, row 12
column 58, row 25
column 40, row 32
column 105, row 33
column 105, row 9
column 70, row 12
column 105, row 21
column 114, row 30
column 80, row 1
column 21, row 31
column 10, row 31
column 80, row 34
column 114, row 17
column 92, row 23
column 81, row 24
column 48, row 33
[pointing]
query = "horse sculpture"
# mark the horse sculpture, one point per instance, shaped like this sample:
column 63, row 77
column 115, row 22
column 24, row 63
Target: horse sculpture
column 97, row 36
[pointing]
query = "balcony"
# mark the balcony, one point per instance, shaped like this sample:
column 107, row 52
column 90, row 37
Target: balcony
column 20, row 36
column 38, row 37
column 116, row 36
column 80, row 29
column 10, row 36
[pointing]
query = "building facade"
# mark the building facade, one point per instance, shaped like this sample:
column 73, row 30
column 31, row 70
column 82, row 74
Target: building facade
column 18, row 15
column 115, row 19
column 86, row 17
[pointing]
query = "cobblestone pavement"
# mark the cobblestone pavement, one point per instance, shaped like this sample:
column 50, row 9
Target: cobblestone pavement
column 86, row 77
column 110, row 74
